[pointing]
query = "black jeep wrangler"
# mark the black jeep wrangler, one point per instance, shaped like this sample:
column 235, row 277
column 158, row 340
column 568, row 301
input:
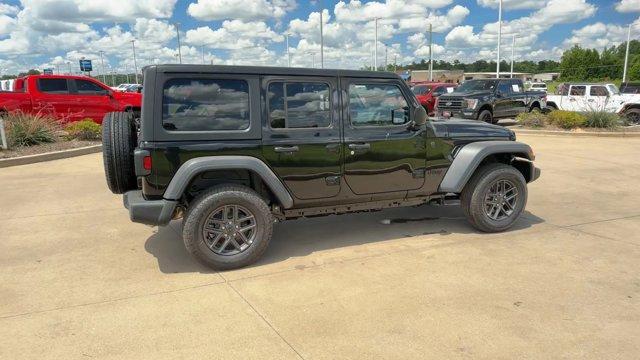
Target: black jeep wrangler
column 233, row 149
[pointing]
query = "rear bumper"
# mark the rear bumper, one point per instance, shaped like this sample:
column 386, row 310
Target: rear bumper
column 150, row 212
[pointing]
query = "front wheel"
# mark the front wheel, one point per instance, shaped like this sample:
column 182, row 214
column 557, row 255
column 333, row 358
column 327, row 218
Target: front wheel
column 486, row 116
column 227, row 227
column 494, row 197
column 633, row 116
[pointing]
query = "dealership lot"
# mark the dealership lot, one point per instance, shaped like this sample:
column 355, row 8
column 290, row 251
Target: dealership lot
column 79, row 280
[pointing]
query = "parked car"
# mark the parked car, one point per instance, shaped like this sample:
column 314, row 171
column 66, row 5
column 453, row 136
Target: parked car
column 490, row 99
column 122, row 87
column 234, row 148
column 630, row 88
column 133, row 88
column 427, row 93
column 67, row 97
column 596, row 97
column 538, row 86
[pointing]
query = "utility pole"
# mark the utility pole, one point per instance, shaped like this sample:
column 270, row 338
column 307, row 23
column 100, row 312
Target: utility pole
column 104, row 76
column 288, row 53
column 513, row 47
column 177, row 25
column 430, row 52
column 386, row 63
column 321, row 43
column 499, row 37
column 375, row 49
column 626, row 55
column 135, row 64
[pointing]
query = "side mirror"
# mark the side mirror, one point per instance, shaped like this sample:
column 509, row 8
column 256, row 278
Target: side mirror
column 420, row 116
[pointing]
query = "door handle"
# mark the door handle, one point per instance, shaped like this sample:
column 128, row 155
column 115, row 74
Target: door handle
column 285, row 149
column 364, row 146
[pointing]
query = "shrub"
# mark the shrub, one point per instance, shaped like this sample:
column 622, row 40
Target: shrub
column 567, row 119
column 603, row 119
column 84, row 130
column 533, row 119
column 30, row 129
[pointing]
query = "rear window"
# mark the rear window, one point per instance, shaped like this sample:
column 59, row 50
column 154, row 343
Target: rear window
column 578, row 90
column 205, row 105
column 420, row 89
column 296, row 105
column 53, row 86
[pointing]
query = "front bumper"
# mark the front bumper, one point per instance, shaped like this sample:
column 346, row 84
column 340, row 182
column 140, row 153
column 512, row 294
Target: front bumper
column 535, row 173
column 460, row 114
column 150, row 212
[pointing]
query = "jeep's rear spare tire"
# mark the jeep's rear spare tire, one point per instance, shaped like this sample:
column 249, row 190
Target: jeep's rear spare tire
column 118, row 143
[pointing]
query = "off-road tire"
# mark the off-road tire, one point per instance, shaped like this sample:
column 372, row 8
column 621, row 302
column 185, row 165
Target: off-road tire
column 118, row 143
column 633, row 116
column 486, row 116
column 205, row 204
column 473, row 196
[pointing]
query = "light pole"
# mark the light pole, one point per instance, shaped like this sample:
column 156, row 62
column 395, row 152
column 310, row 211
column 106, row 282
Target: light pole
column 430, row 52
column 177, row 25
column 626, row 55
column 69, row 63
column 135, row 64
column 313, row 58
column 58, row 68
column 513, row 47
column 288, row 54
column 203, row 54
column 104, row 76
column 375, row 48
column 499, row 37
column 321, row 43
column 386, row 63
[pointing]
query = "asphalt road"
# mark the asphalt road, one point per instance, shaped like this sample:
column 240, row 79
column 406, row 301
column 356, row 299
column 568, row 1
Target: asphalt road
column 79, row 281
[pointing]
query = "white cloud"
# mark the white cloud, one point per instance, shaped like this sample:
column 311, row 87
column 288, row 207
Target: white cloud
column 625, row 6
column 440, row 23
column 357, row 11
column 240, row 9
column 234, row 34
column 513, row 4
column 599, row 35
column 78, row 11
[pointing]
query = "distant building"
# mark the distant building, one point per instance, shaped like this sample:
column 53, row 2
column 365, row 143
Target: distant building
column 445, row 76
column 492, row 75
column 542, row 77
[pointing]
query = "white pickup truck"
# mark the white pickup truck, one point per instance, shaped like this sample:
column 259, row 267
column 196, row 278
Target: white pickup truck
column 596, row 97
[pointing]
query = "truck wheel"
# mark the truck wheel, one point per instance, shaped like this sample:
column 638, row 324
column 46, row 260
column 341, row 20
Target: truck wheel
column 227, row 227
column 486, row 116
column 118, row 143
column 633, row 116
column 494, row 197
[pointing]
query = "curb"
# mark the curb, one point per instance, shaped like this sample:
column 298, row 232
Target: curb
column 621, row 134
column 54, row 155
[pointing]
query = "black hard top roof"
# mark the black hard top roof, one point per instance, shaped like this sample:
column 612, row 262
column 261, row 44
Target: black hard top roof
column 269, row 70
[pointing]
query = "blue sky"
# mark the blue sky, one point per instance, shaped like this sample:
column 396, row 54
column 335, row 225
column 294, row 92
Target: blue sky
column 44, row 33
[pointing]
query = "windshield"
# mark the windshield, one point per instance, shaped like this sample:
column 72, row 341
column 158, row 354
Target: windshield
column 613, row 89
column 476, row 85
column 421, row 89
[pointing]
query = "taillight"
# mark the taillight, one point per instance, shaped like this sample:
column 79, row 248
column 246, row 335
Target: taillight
column 146, row 162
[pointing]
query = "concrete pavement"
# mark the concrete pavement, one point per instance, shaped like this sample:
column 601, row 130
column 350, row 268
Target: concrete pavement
column 78, row 280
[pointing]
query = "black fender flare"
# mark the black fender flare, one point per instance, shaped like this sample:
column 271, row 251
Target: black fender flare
column 195, row 166
column 469, row 157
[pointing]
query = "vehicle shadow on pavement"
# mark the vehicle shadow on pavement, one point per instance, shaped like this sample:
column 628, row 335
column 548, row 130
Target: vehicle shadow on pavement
column 298, row 238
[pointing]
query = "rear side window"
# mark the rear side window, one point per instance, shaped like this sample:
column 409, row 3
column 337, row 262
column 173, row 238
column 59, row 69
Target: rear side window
column 298, row 105
column 578, row 90
column 53, row 86
column 86, row 87
column 205, row 105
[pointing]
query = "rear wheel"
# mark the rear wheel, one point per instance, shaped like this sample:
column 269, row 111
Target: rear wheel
column 633, row 116
column 227, row 227
column 494, row 197
column 118, row 143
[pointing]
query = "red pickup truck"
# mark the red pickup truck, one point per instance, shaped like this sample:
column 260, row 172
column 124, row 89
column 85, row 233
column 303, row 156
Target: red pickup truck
column 67, row 98
column 428, row 92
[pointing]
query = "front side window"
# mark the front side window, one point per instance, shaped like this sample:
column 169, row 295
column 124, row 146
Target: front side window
column 598, row 91
column 377, row 105
column 86, row 87
column 205, row 105
column 421, row 89
column 504, row 87
column 53, row 86
column 299, row 105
